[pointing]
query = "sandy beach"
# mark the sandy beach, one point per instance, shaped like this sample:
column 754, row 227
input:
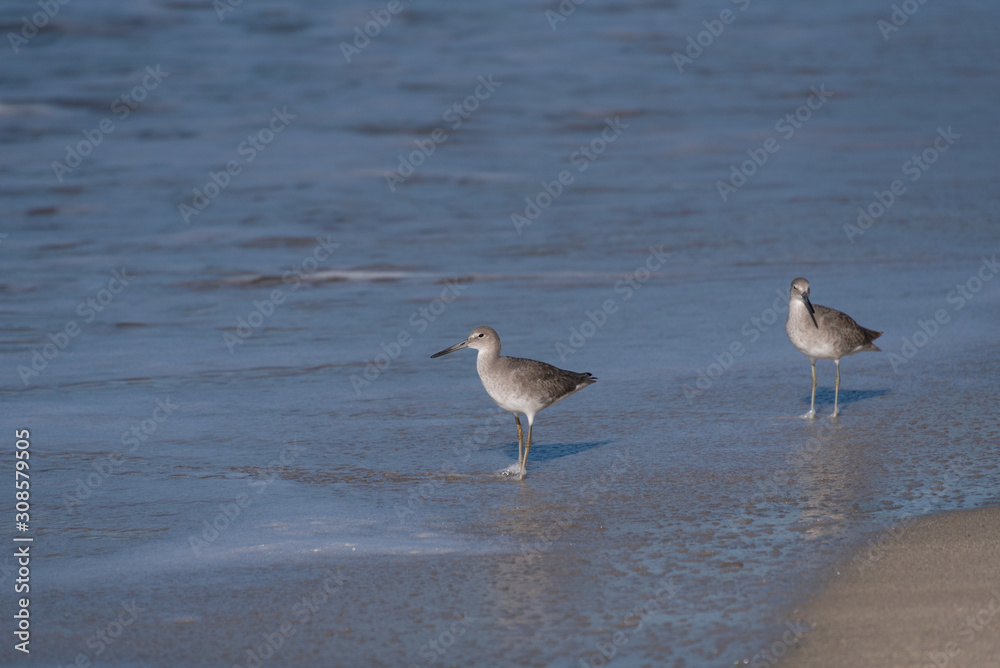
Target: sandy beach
column 926, row 593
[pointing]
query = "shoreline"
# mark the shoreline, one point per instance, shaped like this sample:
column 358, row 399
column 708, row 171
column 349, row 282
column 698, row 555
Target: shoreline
column 924, row 594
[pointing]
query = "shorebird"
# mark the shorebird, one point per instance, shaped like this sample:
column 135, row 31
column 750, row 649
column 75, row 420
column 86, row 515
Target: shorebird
column 519, row 385
column 824, row 333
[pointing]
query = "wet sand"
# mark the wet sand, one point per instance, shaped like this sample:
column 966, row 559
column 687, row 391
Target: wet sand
column 923, row 594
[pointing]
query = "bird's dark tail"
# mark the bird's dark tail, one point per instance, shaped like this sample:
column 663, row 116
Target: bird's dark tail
column 871, row 335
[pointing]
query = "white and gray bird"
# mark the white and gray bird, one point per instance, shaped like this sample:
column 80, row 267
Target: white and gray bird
column 519, row 385
column 824, row 333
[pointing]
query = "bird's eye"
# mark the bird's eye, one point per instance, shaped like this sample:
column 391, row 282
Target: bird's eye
column 480, row 335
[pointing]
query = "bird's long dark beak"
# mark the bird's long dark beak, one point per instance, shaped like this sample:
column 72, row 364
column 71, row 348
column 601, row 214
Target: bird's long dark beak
column 457, row 346
column 812, row 311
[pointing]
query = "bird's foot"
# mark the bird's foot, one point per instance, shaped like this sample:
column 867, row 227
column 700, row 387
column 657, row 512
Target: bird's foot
column 810, row 415
column 834, row 414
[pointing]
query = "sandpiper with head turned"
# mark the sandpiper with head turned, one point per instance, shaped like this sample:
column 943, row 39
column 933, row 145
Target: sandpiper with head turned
column 519, row 385
column 824, row 333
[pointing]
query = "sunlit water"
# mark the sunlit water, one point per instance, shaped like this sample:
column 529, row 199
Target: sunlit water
column 239, row 440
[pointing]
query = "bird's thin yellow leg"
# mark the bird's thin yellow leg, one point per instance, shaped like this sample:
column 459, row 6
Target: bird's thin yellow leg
column 520, row 441
column 527, row 446
column 812, row 402
column 836, row 391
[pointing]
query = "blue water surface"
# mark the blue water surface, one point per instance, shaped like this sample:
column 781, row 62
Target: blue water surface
column 234, row 233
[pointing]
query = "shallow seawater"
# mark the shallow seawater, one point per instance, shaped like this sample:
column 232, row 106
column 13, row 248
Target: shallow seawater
column 240, row 445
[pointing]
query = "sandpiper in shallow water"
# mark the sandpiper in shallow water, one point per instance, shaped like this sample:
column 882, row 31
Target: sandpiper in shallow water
column 824, row 333
column 519, row 385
